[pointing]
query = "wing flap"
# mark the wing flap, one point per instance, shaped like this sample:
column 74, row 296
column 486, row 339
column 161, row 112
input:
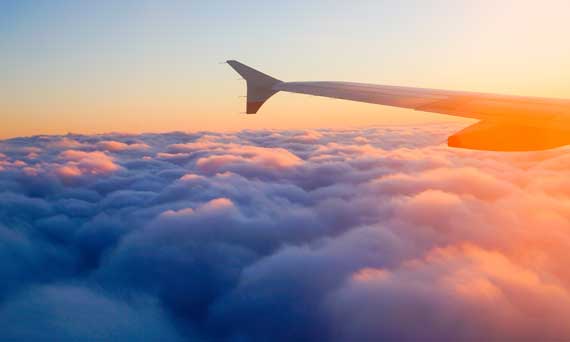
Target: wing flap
column 507, row 137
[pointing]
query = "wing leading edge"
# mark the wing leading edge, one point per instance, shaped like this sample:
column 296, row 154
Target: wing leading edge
column 508, row 123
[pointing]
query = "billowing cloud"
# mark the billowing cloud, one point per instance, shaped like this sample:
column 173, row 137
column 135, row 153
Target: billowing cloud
column 79, row 163
column 118, row 146
column 342, row 235
column 75, row 313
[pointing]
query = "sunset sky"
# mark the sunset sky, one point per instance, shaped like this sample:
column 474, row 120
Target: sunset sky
column 148, row 66
column 136, row 204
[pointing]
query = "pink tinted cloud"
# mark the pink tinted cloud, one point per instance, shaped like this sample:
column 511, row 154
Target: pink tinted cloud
column 228, row 154
column 262, row 157
column 79, row 163
column 460, row 180
column 461, row 290
column 212, row 207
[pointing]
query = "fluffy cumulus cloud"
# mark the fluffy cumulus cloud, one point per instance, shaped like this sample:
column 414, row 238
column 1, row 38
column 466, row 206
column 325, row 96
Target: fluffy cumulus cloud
column 342, row 235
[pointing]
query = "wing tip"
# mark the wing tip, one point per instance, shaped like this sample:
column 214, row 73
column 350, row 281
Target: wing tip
column 253, row 107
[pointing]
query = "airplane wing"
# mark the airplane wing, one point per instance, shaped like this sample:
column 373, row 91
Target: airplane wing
column 507, row 123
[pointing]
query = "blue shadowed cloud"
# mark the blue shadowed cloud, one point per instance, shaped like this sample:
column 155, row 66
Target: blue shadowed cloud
column 281, row 235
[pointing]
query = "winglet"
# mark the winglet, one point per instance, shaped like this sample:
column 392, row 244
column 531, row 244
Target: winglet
column 259, row 85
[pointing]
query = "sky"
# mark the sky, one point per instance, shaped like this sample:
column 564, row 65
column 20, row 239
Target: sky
column 153, row 66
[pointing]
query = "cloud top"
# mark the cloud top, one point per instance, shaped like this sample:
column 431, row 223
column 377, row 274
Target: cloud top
column 342, row 235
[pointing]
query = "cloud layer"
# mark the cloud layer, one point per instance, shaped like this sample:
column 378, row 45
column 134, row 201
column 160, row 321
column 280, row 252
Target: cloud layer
column 379, row 233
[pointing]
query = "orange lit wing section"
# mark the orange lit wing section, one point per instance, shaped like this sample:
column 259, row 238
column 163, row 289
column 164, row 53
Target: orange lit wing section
column 508, row 137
